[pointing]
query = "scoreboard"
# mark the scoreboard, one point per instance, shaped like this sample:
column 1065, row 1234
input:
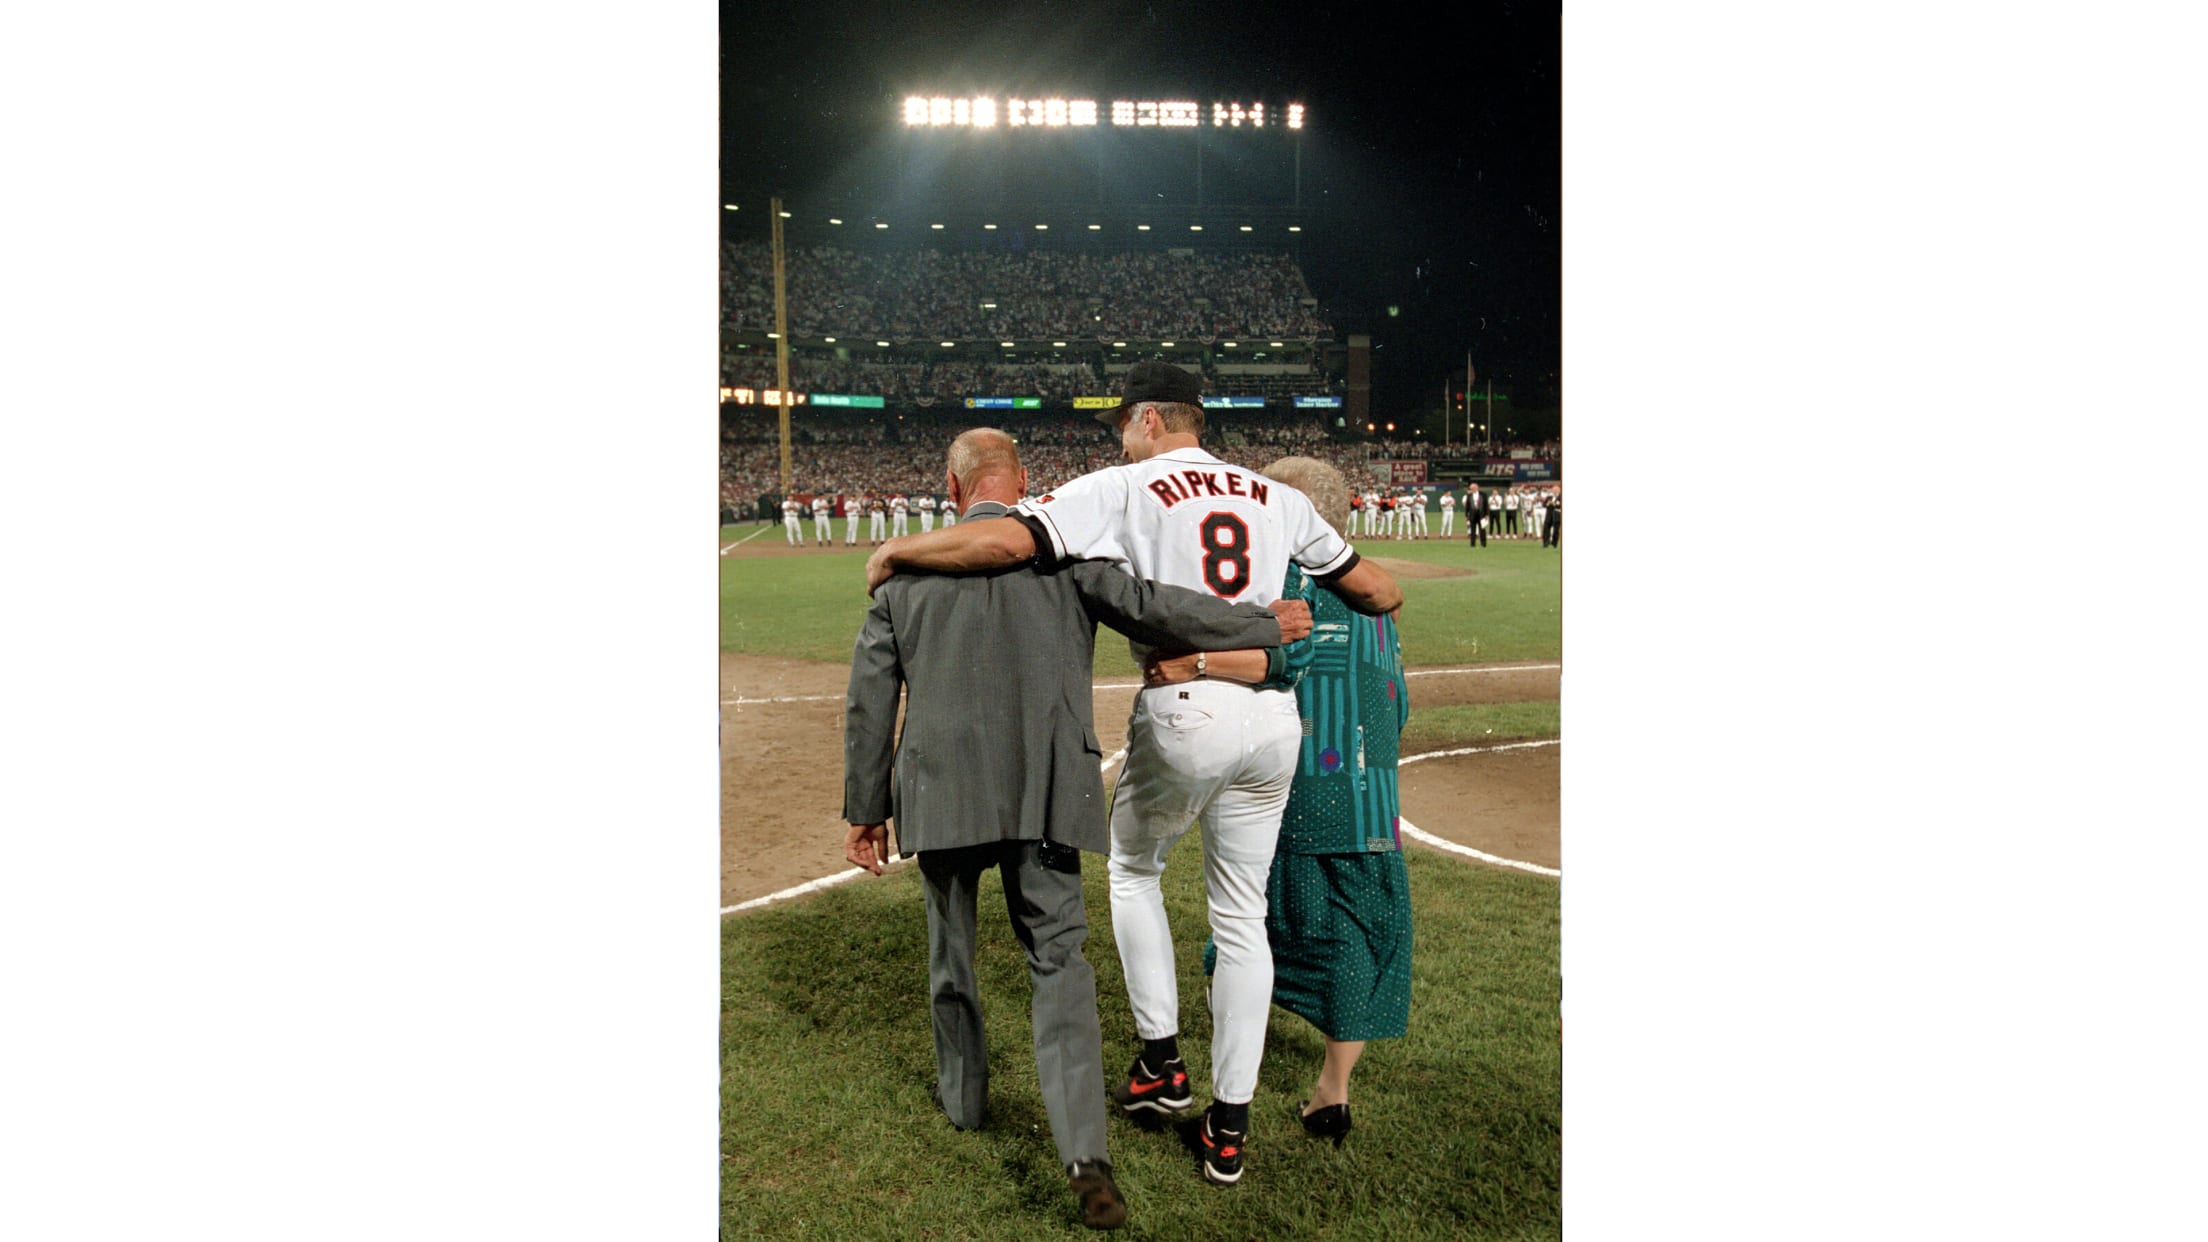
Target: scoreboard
column 1057, row 112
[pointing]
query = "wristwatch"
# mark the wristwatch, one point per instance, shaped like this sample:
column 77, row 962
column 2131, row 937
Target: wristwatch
column 1200, row 663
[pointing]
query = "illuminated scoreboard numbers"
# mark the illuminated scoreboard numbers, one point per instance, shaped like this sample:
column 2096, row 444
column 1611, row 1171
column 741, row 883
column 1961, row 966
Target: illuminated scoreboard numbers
column 1235, row 115
column 986, row 112
column 979, row 112
column 1175, row 114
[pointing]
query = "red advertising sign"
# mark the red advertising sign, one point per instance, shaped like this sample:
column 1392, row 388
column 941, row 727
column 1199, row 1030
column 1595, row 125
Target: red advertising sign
column 1406, row 473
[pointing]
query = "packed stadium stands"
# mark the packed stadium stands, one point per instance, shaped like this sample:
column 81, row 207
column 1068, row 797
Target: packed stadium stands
column 918, row 333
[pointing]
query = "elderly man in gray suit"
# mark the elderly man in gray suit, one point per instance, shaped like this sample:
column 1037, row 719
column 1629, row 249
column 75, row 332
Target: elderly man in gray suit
column 999, row 766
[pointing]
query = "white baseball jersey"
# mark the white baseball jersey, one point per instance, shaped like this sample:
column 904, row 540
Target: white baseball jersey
column 926, row 503
column 1187, row 518
column 1448, row 501
column 897, row 505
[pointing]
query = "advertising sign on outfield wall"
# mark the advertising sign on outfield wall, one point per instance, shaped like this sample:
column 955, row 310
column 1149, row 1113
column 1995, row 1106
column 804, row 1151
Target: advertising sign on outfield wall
column 1406, row 473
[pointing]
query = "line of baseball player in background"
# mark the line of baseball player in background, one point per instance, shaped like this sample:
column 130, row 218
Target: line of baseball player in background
column 1516, row 513
column 885, row 517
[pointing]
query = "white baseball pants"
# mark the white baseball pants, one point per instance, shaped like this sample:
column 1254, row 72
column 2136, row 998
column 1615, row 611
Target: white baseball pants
column 1220, row 755
column 793, row 530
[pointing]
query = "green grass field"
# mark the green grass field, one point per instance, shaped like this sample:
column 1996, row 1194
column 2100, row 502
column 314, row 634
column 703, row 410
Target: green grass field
column 827, row 1129
column 809, row 606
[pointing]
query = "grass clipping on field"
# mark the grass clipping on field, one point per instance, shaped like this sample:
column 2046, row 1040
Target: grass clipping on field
column 828, row 1131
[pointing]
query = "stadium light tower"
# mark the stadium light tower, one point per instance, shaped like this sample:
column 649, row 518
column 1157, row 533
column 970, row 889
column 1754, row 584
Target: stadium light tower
column 781, row 344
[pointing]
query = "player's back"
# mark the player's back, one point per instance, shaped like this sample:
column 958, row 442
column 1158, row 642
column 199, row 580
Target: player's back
column 1186, row 518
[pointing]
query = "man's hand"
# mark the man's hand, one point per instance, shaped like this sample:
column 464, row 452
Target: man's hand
column 1171, row 670
column 1295, row 619
column 877, row 567
column 867, row 847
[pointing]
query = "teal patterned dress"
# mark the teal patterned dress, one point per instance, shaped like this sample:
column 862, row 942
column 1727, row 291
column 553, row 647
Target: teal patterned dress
column 1338, row 903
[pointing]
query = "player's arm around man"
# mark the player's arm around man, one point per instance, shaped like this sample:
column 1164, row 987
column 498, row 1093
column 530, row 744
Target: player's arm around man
column 981, row 547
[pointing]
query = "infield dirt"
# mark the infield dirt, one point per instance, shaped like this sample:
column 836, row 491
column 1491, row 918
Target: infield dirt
column 782, row 770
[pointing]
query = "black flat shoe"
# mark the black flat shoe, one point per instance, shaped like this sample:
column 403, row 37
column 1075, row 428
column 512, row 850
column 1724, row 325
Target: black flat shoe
column 1331, row 1122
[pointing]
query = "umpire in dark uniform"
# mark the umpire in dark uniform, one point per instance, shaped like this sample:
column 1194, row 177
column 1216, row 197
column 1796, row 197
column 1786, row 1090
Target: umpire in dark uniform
column 999, row 766
column 1475, row 521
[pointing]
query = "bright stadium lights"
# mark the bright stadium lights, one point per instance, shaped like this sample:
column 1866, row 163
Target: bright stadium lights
column 1042, row 226
column 1006, row 344
column 785, row 215
column 1119, row 344
column 935, row 226
column 1165, row 344
column 946, row 345
column 1142, row 228
column 833, row 220
column 1094, row 227
column 988, row 306
column 1229, row 344
column 774, row 336
column 729, row 207
column 1274, row 344
column 1195, row 228
column 880, row 224
column 1295, row 228
column 881, row 344
column 1245, row 228
column 990, row 227
column 828, row 340
column 984, row 112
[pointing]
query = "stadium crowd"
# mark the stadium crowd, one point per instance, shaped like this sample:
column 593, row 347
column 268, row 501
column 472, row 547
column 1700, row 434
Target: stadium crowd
column 909, row 295
column 853, row 452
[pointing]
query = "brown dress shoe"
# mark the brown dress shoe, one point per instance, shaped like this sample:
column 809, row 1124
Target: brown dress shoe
column 1101, row 1205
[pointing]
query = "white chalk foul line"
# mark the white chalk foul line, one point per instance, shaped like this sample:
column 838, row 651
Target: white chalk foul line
column 1417, row 833
column 809, row 886
column 1414, row 831
column 1480, row 668
column 1473, row 750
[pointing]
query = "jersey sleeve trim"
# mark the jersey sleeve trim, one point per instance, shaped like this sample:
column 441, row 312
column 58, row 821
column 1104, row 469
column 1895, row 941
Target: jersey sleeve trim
column 1050, row 547
column 1335, row 566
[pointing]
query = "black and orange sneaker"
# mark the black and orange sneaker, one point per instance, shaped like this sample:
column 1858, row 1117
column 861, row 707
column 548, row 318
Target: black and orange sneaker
column 1165, row 1091
column 1221, row 1152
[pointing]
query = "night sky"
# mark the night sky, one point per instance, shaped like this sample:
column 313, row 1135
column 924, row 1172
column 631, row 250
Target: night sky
column 1430, row 169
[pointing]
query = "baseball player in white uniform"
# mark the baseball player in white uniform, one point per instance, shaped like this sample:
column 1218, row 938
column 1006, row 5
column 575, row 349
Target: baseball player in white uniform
column 877, row 520
column 1419, row 521
column 950, row 513
column 899, row 515
column 926, row 505
column 791, row 525
column 1535, row 512
column 821, row 508
column 852, row 509
column 1448, row 512
column 1216, row 753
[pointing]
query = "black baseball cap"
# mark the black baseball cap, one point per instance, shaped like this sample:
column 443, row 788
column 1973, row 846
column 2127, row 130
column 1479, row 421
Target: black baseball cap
column 1154, row 381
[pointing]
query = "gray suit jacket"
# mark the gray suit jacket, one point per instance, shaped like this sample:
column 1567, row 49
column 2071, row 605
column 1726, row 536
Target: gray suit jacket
column 999, row 741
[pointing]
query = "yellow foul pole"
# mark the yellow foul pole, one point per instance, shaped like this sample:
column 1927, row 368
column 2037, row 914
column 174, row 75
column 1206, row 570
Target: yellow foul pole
column 781, row 344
